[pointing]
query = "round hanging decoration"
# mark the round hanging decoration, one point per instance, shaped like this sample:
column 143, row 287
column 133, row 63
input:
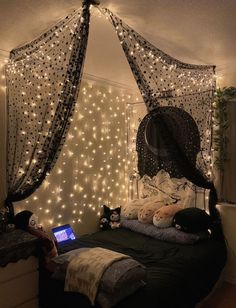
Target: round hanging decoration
column 164, row 133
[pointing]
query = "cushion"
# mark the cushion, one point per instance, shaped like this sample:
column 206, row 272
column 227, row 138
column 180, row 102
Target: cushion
column 170, row 234
column 163, row 217
column 192, row 220
column 146, row 212
column 131, row 208
column 172, row 190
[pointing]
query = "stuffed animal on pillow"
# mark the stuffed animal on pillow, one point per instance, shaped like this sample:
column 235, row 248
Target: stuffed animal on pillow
column 110, row 218
column 27, row 221
column 163, row 217
column 131, row 208
column 146, row 212
column 192, row 220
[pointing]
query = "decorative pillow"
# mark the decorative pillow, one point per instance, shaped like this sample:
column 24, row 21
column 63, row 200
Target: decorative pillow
column 146, row 212
column 131, row 208
column 192, row 220
column 164, row 216
column 171, row 234
column 160, row 186
column 172, row 190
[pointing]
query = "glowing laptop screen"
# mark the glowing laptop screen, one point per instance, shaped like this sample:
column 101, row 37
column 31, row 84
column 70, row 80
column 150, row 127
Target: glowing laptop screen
column 63, row 233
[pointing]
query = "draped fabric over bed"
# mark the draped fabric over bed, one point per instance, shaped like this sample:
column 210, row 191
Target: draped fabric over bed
column 43, row 80
column 176, row 134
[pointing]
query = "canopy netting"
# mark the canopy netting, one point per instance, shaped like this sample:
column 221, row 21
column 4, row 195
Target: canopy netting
column 43, row 79
column 179, row 99
column 165, row 81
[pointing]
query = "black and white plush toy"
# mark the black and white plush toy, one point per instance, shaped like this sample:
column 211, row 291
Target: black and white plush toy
column 110, row 218
column 25, row 219
column 192, row 220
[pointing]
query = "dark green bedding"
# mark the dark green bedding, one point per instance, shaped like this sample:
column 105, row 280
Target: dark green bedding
column 177, row 275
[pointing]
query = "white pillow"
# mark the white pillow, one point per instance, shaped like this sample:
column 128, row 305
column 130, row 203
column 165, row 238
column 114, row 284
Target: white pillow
column 172, row 190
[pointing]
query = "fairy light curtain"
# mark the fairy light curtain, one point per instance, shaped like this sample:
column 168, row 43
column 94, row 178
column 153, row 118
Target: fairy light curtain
column 166, row 82
column 43, row 79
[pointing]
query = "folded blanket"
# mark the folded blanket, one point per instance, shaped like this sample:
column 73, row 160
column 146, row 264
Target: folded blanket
column 121, row 279
column 85, row 270
column 171, row 234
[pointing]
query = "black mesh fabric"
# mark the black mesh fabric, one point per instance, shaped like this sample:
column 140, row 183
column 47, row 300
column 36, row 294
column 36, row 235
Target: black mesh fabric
column 166, row 81
column 43, row 80
column 155, row 149
column 179, row 98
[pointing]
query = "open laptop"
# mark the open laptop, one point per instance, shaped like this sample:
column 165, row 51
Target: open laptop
column 63, row 235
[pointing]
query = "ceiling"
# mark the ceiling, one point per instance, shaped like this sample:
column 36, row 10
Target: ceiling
column 200, row 31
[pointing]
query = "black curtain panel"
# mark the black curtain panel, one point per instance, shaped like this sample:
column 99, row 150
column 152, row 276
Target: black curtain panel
column 166, row 81
column 43, row 80
column 176, row 135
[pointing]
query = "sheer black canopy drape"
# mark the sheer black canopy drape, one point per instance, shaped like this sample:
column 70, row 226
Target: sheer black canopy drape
column 176, row 95
column 43, row 79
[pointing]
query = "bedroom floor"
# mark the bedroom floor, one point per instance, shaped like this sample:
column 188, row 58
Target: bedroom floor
column 223, row 297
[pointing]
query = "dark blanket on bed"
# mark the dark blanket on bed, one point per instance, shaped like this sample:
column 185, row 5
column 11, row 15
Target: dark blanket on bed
column 178, row 276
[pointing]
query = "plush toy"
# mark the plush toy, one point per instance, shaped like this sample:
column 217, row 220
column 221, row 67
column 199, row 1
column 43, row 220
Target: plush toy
column 131, row 208
column 104, row 223
column 146, row 212
column 192, row 220
column 163, row 217
column 25, row 219
column 110, row 218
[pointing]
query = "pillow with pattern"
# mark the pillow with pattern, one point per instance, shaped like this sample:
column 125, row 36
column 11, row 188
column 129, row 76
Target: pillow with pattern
column 172, row 190
column 131, row 208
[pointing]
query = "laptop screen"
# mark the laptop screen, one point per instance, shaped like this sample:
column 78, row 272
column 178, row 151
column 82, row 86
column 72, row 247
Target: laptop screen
column 63, row 233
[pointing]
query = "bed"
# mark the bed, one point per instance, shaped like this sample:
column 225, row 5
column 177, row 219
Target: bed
column 177, row 275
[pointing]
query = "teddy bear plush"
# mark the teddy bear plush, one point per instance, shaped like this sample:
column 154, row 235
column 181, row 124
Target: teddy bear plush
column 146, row 212
column 110, row 218
column 163, row 217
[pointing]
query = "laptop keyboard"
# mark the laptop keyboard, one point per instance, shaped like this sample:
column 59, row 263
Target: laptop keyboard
column 75, row 244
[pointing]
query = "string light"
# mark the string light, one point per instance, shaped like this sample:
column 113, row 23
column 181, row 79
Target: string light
column 81, row 181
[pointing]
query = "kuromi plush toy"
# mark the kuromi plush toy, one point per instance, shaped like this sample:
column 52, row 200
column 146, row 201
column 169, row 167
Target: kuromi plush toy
column 110, row 218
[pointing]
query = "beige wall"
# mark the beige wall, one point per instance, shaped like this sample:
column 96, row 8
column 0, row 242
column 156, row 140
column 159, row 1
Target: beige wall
column 229, row 183
column 2, row 132
column 228, row 214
